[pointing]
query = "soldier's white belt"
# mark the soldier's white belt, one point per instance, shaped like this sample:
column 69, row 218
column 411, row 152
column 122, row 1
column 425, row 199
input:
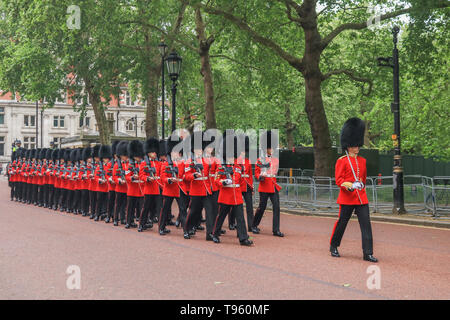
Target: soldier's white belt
column 201, row 178
column 245, row 176
column 269, row 175
column 232, row 186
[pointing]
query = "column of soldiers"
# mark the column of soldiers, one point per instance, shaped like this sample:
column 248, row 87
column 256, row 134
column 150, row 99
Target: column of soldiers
column 135, row 184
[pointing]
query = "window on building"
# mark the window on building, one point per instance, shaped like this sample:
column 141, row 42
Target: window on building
column 29, row 121
column 2, row 146
column 130, row 125
column 110, row 116
column 2, row 115
column 29, row 142
column 143, row 126
column 128, row 100
column 56, row 142
column 86, row 121
column 58, row 121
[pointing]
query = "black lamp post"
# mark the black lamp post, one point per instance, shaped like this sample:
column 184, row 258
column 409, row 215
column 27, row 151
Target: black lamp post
column 399, row 199
column 173, row 62
column 162, row 47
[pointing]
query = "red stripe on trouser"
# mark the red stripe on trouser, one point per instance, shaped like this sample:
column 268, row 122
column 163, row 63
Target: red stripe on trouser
column 160, row 213
column 217, row 218
column 335, row 224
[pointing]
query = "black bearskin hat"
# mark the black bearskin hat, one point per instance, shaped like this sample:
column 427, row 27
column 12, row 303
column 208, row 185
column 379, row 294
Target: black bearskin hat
column 162, row 147
column 243, row 144
column 135, row 149
column 114, row 146
column 86, row 153
column 55, row 154
column 352, row 133
column 268, row 140
column 38, row 153
column 172, row 141
column 32, row 153
column 67, row 155
column 48, row 154
column 95, row 151
column 43, row 153
column 151, row 145
column 105, row 152
column 74, row 155
column 122, row 149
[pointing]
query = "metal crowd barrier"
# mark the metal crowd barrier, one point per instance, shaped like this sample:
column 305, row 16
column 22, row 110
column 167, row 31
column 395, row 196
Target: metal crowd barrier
column 423, row 195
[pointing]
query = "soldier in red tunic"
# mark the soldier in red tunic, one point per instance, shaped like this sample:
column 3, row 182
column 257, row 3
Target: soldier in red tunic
column 134, row 192
column 229, row 180
column 111, row 183
column 118, row 176
column 149, row 172
column 351, row 174
column 265, row 172
column 100, row 176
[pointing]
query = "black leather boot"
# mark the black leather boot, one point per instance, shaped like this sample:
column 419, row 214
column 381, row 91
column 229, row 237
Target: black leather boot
column 334, row 252
column 371, row 258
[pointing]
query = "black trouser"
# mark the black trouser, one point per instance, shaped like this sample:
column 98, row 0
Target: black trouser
column 35, row 193
column 40, row 194
column 165, row 212
column 56, row 195
column 28, row 190
column 121, row 203
column 248, row 199
column 275, row 199
column 69, row 199
column 345, row 212
column 85, row 201
column 111, row 203
column 49, row 199
column 13, row 189
column 194, row 215
column 238, row 212
column 183, row 205
column 102, row 203
column 159, row 203
column 211, row 211
column 150, row 205
column 63, row 198
column 133, row 208
column 76, row 204
column 93, row 202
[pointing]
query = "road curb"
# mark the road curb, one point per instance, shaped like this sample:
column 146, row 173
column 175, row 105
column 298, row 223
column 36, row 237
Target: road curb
column 375, row 217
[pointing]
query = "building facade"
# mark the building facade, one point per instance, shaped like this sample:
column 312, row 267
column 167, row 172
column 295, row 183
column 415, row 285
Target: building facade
column 18, row 120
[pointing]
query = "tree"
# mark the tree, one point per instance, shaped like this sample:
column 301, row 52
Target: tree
column 310, row 23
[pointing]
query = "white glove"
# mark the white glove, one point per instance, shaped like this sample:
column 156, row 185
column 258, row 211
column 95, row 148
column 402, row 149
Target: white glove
column 358, row 185
column 228, row 181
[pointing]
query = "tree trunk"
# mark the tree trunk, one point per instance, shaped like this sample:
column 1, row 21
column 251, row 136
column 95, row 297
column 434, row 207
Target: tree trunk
column 205, row 45
column 100, row 117
column 289, row 126
column 151, row 115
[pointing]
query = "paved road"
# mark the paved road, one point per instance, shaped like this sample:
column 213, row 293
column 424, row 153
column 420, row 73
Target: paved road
column 38, row 245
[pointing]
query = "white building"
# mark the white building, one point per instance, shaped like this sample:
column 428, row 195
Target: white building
column 18, row 120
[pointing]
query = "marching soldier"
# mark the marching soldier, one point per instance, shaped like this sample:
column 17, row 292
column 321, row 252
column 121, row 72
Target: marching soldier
column 149, row 172
column 265, row 171
column 111, row 184
column 118, row 176
column 48, row 179
column 134, row 190
column 229, row 180
column 197, row 175
column 93, row 186
column 85, row 181
column 351, row 174
column 58, row 155
column 101, row 178
column 247, row 175
column 172, row 172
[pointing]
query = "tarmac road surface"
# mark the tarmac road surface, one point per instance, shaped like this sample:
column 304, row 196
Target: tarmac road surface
column 38, row 245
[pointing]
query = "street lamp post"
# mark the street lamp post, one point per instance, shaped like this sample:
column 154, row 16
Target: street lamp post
column 135, row 124
column 36, row 121
column 173, row 62
column 399, row 200
column 163, row 51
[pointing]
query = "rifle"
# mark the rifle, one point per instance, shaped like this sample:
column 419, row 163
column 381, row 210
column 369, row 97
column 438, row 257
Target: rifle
column 265, row 166
column 102, row 171
column 151, row 170
column 198, row 167
column 170, row 169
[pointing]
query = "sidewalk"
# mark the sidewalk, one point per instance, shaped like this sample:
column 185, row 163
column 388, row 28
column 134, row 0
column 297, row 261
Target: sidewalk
column 410, row 219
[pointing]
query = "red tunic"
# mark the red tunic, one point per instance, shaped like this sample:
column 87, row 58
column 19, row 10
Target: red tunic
column 108, row 173
column 343, row 173
column 134, row 185
column 152, row 186
column 214, row 164
column 198, row 185
column 172, row 189
column 269, row 183
column 100, row 175
column 90, row 174
column 116, row 175
column 230, row 194
column 247, row 175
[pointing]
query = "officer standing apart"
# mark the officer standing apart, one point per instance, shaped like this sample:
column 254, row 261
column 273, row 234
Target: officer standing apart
column 265, row 172
column 351, row 174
